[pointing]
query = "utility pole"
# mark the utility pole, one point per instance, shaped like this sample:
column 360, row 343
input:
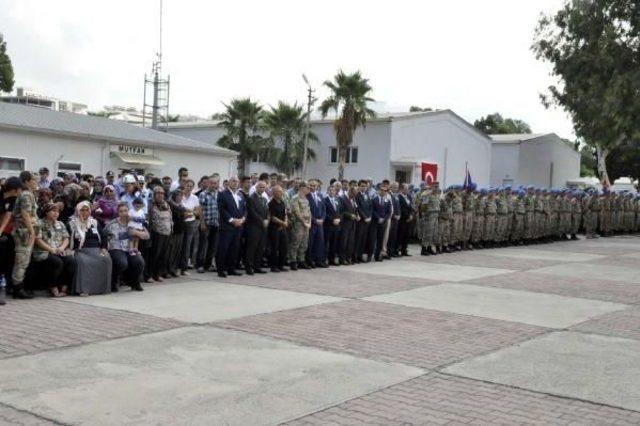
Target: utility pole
column 310, row 101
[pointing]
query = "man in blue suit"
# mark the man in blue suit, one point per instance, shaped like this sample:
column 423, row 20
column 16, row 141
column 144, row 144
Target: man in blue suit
column 317, row 254
column 333, row 207
column 381, row 213
column 232, row 209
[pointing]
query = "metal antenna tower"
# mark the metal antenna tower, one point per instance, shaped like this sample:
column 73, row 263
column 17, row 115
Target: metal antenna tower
column 156, row 109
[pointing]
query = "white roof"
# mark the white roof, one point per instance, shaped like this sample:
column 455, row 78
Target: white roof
column 41, row 120
column 517, row 137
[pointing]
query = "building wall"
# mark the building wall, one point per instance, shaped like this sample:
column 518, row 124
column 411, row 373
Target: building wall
column 41, row 150
column 209, row 134
column 505, row 163
column 548, row 162
column 446, row 140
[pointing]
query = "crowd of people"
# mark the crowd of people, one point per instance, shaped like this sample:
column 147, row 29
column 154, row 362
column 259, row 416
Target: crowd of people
column 86, row 235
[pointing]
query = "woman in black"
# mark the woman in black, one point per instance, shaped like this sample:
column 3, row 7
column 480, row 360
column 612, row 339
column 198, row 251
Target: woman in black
column 277, row 232
column 174, row 254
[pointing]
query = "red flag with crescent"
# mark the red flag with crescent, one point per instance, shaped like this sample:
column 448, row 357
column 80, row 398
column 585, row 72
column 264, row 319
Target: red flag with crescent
column 429, row 173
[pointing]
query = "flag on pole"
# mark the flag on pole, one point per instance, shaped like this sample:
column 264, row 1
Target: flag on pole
column 468, row 182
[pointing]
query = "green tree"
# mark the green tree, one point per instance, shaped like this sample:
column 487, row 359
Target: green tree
column 349, row 98
column 494, row 124
column 588, row 163
column 241, row 121
column 593, row 47
column 285, row 125
column 624, row 161
column 415, row 108
column 6, row 69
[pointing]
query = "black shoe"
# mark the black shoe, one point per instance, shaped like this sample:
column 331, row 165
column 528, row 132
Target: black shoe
column 236, row 273
column 424, row 251
column 20, row 293
column 222, row 274
column 378, row 259
column 274, row 270
column 115, row 289
column 283, row 269
column 293, row 266
column 369, row 259
column 322, row 265
column 249, row 272
column 137, row 287
column 303, row 265
column 260, row 271
column 406, row 255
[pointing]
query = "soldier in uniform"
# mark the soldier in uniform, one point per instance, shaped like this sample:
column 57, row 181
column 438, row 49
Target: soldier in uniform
column 428, row 208
column 468, row 207
column 457, row 220
column 519, row 212
column 539, row 216
column 511, row 207
column 444, row 224
column 24, row 232
column 529, row 217
column 490, row 211
column 575, row 204
column 301, row 219
column 593, row 209
column 477, row 235
column 605, row 213
column 502, row 210
column 555, row 204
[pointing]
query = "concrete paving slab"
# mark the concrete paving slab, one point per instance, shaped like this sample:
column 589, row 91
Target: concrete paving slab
column 595, row 368
column 544, row 310
column 196, row 376
column 592, row 271
column 203, row 302
column 431, row 271
column 524, row 253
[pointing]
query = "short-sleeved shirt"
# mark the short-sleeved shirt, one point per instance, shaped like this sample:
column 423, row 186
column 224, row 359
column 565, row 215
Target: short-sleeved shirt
column 190, row 203
column 53, row 234
column 6, row 206
column 26, row 202
column 117, row 235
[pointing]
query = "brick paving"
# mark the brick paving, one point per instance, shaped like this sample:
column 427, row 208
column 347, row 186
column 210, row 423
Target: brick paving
column 610, row 291
column 42, row 324
column 439, row 399
column 387, row 332
column 625, row 323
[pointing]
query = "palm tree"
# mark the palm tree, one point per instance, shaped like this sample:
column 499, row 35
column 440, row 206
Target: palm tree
column 286, row 127
column 349, row 99
column 241, row 121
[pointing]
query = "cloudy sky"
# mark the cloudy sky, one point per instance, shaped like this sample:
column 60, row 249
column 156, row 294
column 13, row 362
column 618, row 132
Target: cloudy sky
column 471, row 56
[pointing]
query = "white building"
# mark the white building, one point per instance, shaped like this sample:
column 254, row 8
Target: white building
column 543, row 160
column 28, row 97
column 31, row 138
column 391, row 146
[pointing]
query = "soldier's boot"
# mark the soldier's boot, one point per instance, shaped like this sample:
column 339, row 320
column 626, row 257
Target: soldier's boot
column 2, row 296
column 438, row 250
column 20, row 293
column 574, row 237
column 424, row 251
column 430, row 250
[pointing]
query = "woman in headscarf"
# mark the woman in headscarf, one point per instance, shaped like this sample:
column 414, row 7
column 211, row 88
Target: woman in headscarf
column 98, row 188
column 44, row 198
column 174, row 254
column 68, row 201
column 93, row 275
column 160, row 224
column 106, row 207
column 51, row 262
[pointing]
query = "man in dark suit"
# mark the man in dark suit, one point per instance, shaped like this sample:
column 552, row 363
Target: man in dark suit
column 364, row 236
column 233, row 211
column 317, row 253
column 392, row 243
column 333, row 207
column 348, row 225
column 381, row 213
column 406, row 218
column 257, row 222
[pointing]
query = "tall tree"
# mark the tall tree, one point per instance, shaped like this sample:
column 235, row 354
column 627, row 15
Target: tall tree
column 494, row 124
column 241, row 121
column 415, row 108
column 593, row 47
column 286, row 127
column 349, row 98
column 6, row 69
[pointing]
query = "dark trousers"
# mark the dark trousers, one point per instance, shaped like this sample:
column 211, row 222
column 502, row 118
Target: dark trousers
column 347, row 240
column 256, row 240
column 126, row 267
column 54, row 271
column 174, row 255
column 228, row 247
column 332, row 241
column 362, row 233
column 7, row 254
column 158, row 258
column 189, row 244
column 403, row 235
column 207, row 246
column 278, row 247
column 379, row 229
column 317, row 253
column 392, row 242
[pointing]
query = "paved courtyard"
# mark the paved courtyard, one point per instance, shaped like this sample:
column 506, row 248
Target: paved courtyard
column 545, row 334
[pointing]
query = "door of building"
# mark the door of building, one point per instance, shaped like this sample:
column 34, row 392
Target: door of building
column 402, row 176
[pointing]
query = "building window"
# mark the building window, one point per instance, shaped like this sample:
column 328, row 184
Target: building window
column 12, row 164
column 350, row 157
column 66, row 167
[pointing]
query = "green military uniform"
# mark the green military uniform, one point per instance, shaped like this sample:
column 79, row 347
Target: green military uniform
column 54, row 234
column 539, row 217
column 300, row 216
column 468, row 207
column 428, row 207
column 444, row 222
column 605, row 215
column 477, row 235
column 457, row 220
column 26, row 203
column 502, row 210
column 576, row 216
column 529, row 217
column 490, row 212
column 519, row 212
column 591, row 209
column 511, row 207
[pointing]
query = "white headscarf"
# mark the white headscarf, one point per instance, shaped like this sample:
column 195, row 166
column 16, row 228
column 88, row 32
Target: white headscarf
column 79, row 226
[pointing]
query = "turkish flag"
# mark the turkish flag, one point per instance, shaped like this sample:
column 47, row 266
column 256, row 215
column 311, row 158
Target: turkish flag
column 429, row 173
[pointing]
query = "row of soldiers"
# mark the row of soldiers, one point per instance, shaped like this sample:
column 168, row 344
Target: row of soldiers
column 468, row 217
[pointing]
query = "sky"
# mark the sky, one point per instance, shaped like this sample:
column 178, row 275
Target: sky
column 470, row 56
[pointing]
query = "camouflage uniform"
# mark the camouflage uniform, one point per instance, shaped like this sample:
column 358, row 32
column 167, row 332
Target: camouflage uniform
column 555, row 204
column 502, row 210
column 519, row 211
column 468, row 206
column 444, row 222
column 605, row 215
column 637, row 214
column 566, row 214
column 576, row 215
column 539, row 217
column 428, row 207
column 457, row 222
column 301, row 215
column 477, row 235
column 26, row 202
column 591, row 209
column 511, row 208
column 529, row 217
column 490, row 211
